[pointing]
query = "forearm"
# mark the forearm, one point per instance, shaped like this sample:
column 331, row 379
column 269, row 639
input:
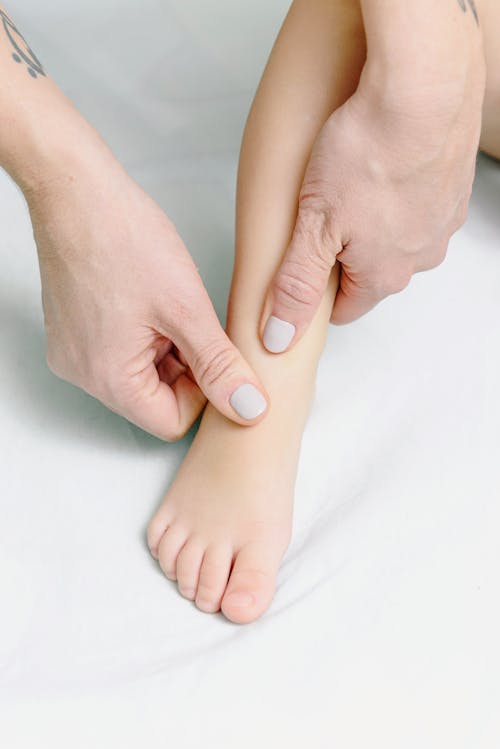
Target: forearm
column 43, row 138
column 423, row 49
column 313, row 69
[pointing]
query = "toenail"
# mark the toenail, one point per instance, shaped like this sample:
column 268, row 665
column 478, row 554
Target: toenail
column 206, row 606
column 187, row 592
column 242, row 600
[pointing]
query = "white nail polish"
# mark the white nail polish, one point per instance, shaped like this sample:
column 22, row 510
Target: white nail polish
column 248, row 402
column 277, row 335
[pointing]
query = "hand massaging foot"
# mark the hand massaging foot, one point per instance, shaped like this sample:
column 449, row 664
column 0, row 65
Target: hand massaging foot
column 225, row 523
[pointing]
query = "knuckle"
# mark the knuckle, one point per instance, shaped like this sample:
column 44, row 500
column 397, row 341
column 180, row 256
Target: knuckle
column 399, row 283
column 295, row 286
column 313, row 201
column 442, row 254
column 386, row 284
column 438, row 258
column 175, row 433
column 434, row 259
column 317, row 228
column 461, row 215
column 379, row 286
column 53, row 363
column 213, row 362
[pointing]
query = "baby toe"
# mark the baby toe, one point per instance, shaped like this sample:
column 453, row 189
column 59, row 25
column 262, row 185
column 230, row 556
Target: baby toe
column 188, row 567
column 214, row 573
column 157, row 527
column 170, row 545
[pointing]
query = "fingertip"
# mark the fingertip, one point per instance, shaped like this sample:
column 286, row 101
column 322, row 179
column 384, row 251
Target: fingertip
column 278, row 335
column 249, row 403
column 191, row 402
column 171, row 411
column 348, row 309
column 339, row 317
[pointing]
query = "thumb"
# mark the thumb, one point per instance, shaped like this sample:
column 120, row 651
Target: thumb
column 299, row 285
column 219, row 369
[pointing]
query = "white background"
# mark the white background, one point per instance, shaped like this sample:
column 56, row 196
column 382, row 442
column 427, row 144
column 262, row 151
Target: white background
column 384, row 630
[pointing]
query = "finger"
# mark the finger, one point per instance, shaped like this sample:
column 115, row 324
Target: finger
column 165, row 410
column 433, row 259
column 301, row 281
column 353, row 300
column 221, row 372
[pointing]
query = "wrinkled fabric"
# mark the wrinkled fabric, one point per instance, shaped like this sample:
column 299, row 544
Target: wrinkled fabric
column 384, row 629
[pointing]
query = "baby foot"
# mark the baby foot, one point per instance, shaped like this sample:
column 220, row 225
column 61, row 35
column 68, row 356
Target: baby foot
column 225, row 523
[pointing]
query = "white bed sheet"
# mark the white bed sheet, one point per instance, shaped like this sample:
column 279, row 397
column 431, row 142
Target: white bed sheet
column 385, row 627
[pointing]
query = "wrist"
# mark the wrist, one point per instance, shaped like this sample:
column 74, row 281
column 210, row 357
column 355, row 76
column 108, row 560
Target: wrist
column 43, row 149
column 421, row 101
column 422, row 54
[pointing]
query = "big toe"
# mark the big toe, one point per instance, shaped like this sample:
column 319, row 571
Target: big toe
column 252, row 584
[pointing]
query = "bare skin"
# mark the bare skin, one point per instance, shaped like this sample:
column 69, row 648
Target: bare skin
column 225, row 523
column 127, row 316
column 129, row 320
column 142, row 334
column 390, row 175
column 490, row 133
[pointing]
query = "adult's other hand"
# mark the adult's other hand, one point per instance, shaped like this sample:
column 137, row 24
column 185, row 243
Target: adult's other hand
column 127, row 316
column 389, row 177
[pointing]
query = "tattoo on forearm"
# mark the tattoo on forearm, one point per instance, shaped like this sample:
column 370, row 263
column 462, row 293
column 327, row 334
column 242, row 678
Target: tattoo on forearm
column 472, row 5
column 22, row 51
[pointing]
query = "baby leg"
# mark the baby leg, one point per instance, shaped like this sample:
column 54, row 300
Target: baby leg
column 489, row 14
column 225, row 523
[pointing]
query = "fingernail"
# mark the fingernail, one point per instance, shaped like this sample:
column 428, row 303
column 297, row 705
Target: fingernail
column 248, row 402
column 277, row 335
column 242, row 600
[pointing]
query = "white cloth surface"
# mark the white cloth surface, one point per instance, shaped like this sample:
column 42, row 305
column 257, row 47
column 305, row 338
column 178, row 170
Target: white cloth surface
column 385, row 627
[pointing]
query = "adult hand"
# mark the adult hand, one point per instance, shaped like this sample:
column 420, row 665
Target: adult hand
column 387, row 185
column 127, row 316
